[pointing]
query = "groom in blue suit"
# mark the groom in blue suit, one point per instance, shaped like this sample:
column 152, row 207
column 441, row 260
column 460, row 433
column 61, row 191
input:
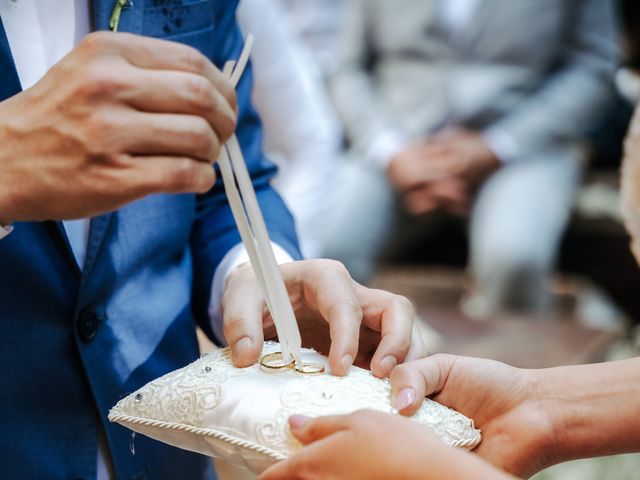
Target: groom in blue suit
column 129, row 125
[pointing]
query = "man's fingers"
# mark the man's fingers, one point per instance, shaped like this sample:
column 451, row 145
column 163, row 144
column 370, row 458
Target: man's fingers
column 447, row 193
column 156, row 54
column 417, row 350
column 181, row 92
column 420, row 201
column 154, row 174
column 344, row 319
column 412, row 382
column 135, row 177
column 329, row 289
column 452, row 195
column 168, row 135
column 242, row 313
column 451, row 190
column 393, row 316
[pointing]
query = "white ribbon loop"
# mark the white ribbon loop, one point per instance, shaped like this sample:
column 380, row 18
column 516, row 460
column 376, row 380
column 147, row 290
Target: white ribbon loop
column 253, row 230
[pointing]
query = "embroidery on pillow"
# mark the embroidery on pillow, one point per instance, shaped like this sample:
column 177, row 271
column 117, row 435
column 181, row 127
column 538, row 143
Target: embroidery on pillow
column 185, row 395
column 179, row 401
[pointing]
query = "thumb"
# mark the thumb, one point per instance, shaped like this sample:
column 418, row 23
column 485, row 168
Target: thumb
column 309, row 430
column 413, row 381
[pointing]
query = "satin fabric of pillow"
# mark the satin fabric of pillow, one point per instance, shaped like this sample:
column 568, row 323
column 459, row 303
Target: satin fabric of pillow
column 240, row 414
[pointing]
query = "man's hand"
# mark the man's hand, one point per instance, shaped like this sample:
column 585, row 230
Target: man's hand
column 505, row 403
column 336, row 315
column 370, row 446
column 120, row 117
column 409, row 168
column 443, row 173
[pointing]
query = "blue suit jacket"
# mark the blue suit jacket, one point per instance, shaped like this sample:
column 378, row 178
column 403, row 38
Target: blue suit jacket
column 74, row 342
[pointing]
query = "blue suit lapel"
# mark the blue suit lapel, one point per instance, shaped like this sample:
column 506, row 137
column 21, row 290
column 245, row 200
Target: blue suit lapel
column 10, row 84
column 97, row 232
column 130, row 20
column 60, row 236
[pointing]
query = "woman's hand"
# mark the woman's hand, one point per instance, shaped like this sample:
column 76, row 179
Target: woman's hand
column 370, row 446
column 505, row 403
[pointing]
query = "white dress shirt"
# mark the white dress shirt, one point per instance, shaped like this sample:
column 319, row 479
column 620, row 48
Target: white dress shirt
column 301, row 132
column 40, row 33
column 317, row 23
column 455, row 15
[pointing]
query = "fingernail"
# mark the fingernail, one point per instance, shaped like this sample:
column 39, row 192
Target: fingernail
column 297, row 422
column 241, row 347
column 389, row 363
column 347, row 361
column 405, row 398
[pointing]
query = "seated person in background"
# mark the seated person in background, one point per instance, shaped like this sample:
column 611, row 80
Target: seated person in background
column 318, row 23
column 530, row 419
column 469, row 107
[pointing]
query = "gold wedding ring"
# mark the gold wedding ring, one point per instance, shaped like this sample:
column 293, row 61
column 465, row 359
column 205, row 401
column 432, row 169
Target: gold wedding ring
column 275, row 362
column 310, row 368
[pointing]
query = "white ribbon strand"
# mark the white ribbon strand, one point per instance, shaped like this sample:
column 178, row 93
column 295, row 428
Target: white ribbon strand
column 253, row 230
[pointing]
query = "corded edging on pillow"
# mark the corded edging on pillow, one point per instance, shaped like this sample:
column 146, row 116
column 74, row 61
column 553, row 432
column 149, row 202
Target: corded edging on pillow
column 235, row 441
column 470, row 443
column 206, row 432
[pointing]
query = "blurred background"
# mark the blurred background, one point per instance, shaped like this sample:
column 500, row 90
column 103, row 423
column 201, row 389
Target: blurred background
column 466, row 154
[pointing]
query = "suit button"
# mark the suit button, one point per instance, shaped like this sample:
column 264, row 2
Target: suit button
column 87, row 325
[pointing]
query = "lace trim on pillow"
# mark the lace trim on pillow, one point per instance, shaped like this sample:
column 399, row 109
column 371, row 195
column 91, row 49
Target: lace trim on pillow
column 185, row 395
column 330, row 395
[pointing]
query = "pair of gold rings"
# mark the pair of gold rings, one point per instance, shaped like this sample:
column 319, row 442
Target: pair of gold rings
column 274, row 362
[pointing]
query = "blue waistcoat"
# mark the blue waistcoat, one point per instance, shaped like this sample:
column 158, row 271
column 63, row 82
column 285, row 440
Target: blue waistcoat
column 73, row 342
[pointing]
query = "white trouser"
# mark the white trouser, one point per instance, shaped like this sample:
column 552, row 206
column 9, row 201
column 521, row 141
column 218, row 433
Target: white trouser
column 516, row 226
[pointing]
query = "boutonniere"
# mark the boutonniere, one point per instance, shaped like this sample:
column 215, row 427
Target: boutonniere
column 118, row 7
